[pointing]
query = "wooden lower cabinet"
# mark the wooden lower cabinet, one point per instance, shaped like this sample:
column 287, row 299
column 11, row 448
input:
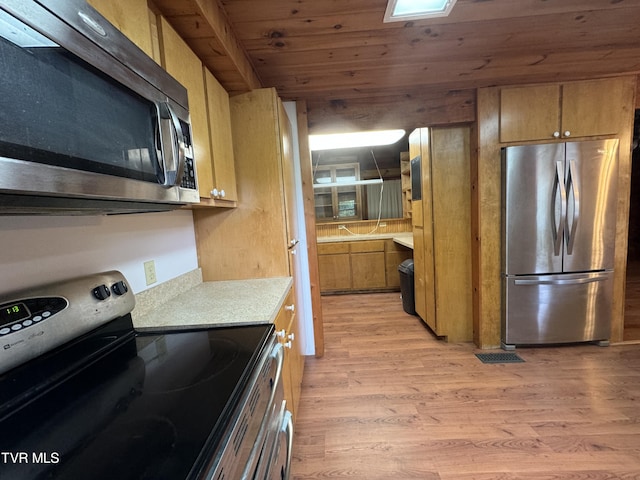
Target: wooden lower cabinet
column 360, row 266
column 367, row 270
column 288, row 331
column 334, row 267
column 394, row 255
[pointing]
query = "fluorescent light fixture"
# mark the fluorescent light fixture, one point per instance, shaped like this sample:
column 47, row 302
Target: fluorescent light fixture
column 354, row 139
column 350, row 183
column 398, row 10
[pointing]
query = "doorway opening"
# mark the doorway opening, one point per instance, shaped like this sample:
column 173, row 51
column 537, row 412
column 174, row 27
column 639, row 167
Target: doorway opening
column 632, row 290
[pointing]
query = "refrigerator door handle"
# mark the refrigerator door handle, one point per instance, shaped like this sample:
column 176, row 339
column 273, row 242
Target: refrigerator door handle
column 573, row 187
column 557, row 225
column 557, row 281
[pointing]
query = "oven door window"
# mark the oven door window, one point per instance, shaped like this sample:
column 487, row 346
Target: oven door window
column 55, row 109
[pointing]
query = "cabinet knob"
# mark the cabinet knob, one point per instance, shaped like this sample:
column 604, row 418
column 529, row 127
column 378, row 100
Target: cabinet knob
column 287, row 344
column 567, row 133
column 281, row 333
column 215, row 192
column 556, row 134
column 293, row 252
column 291, row 337
column 222, row 193
column 290, row 308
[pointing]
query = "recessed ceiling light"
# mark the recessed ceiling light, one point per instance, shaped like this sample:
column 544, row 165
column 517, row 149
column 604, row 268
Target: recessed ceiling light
column 398, row 10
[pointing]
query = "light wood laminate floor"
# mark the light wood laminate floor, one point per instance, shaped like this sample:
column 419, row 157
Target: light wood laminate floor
column 390, row 401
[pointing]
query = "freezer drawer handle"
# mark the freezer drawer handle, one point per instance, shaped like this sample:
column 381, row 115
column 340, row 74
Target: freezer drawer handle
column 574, row 281
column 557, row 225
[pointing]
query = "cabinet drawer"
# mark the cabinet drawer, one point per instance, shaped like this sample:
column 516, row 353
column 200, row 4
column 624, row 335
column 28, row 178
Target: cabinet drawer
column 367, row 246
column 333, row 248
column 285, row 315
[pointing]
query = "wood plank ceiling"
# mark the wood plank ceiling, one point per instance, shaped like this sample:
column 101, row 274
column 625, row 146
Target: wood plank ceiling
column 356, row 72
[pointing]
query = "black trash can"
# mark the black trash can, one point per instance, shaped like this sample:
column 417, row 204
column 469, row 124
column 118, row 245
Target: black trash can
column 406, row 286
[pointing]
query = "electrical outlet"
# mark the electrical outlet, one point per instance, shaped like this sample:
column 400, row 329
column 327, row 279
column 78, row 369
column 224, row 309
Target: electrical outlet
column 150, row 272
column 383, row 224
column 341, row 227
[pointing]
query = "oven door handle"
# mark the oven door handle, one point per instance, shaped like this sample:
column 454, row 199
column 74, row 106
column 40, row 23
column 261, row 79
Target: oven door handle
column 287, row 429
column 277, row 354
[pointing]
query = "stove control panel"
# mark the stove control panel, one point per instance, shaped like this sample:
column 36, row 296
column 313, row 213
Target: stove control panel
column 39, row 319
column 24, row 313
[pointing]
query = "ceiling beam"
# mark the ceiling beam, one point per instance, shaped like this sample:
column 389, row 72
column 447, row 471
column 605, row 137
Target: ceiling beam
column 204, row 25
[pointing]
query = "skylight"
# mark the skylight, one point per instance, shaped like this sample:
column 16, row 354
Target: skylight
column 398, row 10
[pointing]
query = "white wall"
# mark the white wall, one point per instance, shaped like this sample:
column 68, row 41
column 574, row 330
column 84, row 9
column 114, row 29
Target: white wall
column 36, row 250
column 303, row 283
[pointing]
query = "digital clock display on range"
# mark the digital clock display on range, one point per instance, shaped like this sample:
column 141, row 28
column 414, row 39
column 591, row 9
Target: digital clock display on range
column 13, row 312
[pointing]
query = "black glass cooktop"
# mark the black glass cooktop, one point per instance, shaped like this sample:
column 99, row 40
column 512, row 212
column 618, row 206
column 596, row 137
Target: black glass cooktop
column 119, row 405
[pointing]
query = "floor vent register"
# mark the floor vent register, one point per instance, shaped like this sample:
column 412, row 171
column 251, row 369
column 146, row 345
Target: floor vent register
column 499, row 358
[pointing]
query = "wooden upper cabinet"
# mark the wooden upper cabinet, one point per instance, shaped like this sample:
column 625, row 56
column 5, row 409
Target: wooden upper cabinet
column 252, row 236
column 529, row 113
column 561, row 111
column 132, row 18
column 223, row 165
column 210, row 119
column 593, row 107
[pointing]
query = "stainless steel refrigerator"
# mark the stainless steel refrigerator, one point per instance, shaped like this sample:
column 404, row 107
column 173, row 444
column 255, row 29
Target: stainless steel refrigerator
column 558, row 236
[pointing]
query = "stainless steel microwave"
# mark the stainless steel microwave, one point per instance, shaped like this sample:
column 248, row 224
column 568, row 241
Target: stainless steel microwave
column 88, row 122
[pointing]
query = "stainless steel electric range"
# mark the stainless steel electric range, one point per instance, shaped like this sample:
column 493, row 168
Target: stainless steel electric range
column 83, row 395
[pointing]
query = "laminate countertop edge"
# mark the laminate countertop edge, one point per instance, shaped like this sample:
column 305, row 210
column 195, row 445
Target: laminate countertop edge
column 219, row 303
column 403, row 238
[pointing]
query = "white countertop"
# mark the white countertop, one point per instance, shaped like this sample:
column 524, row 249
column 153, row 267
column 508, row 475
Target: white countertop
column 230, row 302
column 403, row 238
column 365, row 236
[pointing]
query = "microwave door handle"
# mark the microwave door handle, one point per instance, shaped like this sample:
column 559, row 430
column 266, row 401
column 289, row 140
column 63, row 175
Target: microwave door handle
column 160, row 143
column 172, row 148
column 178, row 147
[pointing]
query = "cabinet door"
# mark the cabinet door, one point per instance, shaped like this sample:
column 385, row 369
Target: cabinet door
column 529, row 113
column 223, row 168
column 593, row 107
column 293, row 367
column 335, row 272
column 452, row 233
column 131, row 18
column 394, row 255
column 419, row 274
column 283, row 324
column 367, row 270
column 296, row 362
column 180, row 61
column 288, row 183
